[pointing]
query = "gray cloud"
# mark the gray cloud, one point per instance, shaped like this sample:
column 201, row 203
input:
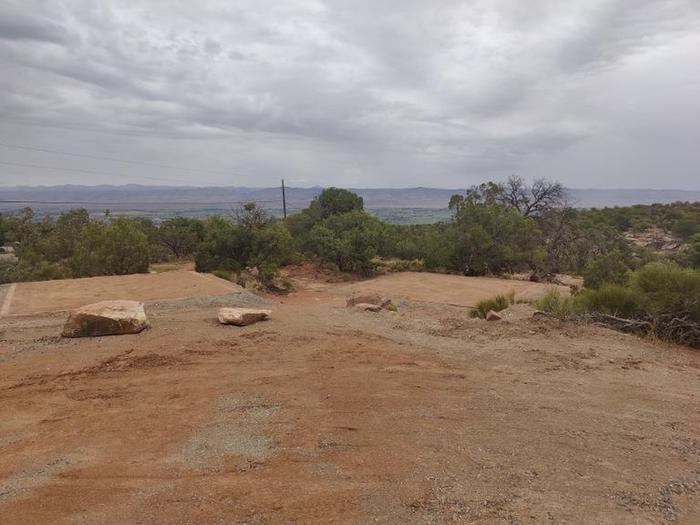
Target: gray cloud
column 398, row 93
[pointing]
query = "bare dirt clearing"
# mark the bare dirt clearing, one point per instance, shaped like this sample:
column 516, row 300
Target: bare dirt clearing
column 326, row 414
column 453, row 290
column 66, row 294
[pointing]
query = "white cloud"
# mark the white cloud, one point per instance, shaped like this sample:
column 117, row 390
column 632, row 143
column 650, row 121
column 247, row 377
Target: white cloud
column 365, row 93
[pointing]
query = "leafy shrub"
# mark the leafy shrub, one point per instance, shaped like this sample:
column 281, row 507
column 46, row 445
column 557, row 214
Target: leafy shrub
column 606, row 269
column 336, row 201
column 223, row 247
column 10, row 272
column 612, row 299
column 694, row 251
column 660, row 299
column 181, row 235
column 254, row 240
column 349, row 240
column 492, row 239
column 498, row 303
column 119, row 247
column 670, row 290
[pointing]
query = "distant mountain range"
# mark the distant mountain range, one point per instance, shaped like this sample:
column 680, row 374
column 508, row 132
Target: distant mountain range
column 136, row 197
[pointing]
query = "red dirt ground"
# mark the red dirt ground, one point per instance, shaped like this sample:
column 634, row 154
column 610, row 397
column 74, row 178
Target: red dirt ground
column 326, row 414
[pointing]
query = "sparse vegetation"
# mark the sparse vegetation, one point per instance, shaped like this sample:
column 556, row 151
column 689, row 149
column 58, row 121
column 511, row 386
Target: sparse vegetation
column 660, row 299
column 161, row 268
column 497, row 303
column 494, row 228
column 223, row 274
column 555, row 303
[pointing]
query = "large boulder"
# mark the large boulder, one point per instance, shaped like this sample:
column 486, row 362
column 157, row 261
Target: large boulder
column 106, row 318
column 375, row 299
column 242, row 316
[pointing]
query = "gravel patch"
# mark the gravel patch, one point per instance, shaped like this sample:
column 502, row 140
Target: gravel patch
column 236, row 429
column 23, row 482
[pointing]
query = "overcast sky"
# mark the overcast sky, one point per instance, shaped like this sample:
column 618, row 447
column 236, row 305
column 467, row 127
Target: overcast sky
column 356, row 93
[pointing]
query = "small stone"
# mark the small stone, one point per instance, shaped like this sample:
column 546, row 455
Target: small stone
column 492, row 316
column 374, row 299
column 242, row 316
column 368, row 307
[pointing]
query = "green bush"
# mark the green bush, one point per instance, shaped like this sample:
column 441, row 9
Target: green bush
column 10, row 272
column 254, row 240
column 107, row 249
column 661, row 299
column 669, row 289
column 181, row 235
column 224, row 247
column 336, row 201
column 491, row 239
column 612, row 299
column 118, row 247
column 694, row 251
column 350, row 241
column 555, row 303
column 606, row 269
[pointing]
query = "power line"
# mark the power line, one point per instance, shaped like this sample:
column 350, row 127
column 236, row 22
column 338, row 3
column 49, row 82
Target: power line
column 132, row 203
column 111, row 159
column 78, row 170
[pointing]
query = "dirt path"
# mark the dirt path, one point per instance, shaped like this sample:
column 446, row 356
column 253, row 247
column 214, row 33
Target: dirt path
column 329, row 415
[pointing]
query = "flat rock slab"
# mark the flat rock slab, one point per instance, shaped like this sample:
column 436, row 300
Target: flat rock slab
column 365, row 299
column 242, row 316
column 106, row 318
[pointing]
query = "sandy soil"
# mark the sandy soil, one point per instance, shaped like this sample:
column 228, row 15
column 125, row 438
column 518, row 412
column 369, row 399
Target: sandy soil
column 326, row 414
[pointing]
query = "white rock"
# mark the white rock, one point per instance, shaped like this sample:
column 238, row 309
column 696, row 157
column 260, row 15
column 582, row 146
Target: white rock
column 375, row 299
column 493, row 316
column 242, row 316
column 106, row 318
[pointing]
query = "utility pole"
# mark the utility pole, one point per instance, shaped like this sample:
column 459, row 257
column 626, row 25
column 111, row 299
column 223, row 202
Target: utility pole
column 284, row 201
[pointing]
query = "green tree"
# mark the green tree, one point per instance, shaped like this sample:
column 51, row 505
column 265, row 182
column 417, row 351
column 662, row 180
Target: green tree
column 335, row 201
column 181, row 235
column 348, row 240
column 224, row 247
column 492, row 238
column 330, row 202
column 254, row 239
